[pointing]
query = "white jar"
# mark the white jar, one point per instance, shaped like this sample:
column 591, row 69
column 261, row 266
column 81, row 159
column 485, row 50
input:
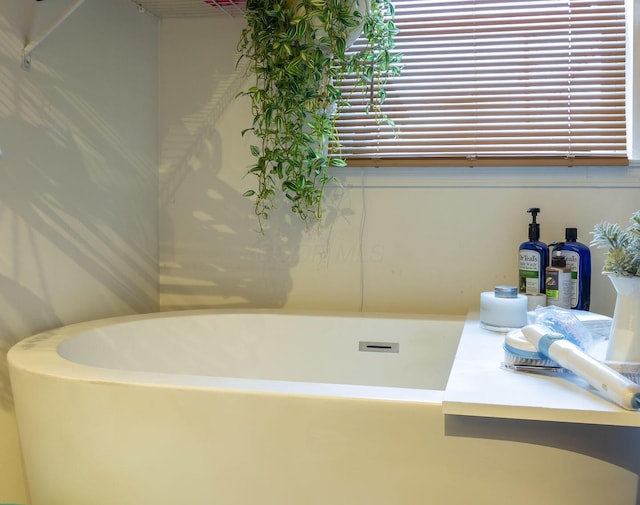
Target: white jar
column 503, row 309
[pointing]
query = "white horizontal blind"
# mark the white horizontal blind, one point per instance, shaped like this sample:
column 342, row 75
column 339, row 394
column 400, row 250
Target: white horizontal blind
column 499, row 82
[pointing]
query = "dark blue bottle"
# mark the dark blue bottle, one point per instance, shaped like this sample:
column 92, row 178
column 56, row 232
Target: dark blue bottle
column 578, row 257
column 533, row 260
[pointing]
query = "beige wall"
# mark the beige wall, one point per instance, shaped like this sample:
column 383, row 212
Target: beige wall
column 406, row 240
column 78, row 179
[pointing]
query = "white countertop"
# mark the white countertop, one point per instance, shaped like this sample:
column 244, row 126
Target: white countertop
column 479, row 386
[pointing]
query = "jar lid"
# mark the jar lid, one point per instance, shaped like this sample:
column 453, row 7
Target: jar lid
column 505, row 292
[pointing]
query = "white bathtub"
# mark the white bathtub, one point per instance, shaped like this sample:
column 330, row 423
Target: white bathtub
column 276, row 408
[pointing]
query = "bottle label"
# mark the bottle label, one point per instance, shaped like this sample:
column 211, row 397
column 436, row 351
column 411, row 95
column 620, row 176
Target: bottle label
column 529, row 272
column 573, row 262
column 558, row 287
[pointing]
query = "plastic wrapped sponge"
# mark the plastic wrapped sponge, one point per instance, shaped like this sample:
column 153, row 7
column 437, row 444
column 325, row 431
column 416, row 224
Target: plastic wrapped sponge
column 567, row 324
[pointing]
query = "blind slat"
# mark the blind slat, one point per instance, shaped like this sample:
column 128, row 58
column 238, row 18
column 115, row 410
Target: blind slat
column 498, row 79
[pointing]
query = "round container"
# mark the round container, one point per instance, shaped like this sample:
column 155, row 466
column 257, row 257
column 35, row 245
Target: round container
column 535, row 301
column 503, row 309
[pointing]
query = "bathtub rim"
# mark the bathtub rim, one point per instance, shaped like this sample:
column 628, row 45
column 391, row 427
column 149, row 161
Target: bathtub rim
column 38, row 355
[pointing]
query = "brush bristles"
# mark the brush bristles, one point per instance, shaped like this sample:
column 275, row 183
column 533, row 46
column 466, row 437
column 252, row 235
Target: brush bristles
column 512, row 360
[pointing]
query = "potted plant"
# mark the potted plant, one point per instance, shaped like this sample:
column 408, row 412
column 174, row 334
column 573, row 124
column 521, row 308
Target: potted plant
column 299, row 55
column 622, row 265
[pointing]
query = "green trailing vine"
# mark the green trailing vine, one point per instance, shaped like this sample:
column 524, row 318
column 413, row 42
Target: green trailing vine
column 623, row 244
column 299, row 55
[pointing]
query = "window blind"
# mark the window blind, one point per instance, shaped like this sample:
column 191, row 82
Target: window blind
column 499, row 82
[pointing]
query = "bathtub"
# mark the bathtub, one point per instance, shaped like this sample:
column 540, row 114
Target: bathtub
column 282, row 408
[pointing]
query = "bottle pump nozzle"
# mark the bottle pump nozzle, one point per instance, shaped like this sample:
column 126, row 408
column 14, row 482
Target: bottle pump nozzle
column 534, row 228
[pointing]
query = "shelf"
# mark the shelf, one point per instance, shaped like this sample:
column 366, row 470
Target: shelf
column 32, row 44
column 479, row 386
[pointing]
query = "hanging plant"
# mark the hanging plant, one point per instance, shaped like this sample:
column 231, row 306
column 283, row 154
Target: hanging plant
column 299, row 53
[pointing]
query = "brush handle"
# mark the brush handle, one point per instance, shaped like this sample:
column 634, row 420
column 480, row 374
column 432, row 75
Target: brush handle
column 610, row 383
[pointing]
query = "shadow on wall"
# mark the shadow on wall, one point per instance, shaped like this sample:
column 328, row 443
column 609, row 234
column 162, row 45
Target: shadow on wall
column 77, row 236
column 56, row 205
column 617, row 445
column 211, row 252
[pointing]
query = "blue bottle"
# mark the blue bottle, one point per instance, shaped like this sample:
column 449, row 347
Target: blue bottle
column 533, row 260
column 578, row 257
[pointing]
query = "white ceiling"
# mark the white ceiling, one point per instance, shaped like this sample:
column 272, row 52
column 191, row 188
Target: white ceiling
column 193, row 8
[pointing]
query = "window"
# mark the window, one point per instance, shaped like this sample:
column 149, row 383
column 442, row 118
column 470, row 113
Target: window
column 519, row 82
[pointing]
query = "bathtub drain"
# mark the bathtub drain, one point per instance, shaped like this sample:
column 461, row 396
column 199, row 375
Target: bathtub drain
column 379, row 346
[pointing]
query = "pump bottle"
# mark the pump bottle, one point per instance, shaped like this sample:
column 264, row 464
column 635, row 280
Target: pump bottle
column 533, row 260
column 558, row 282
column 578, row 258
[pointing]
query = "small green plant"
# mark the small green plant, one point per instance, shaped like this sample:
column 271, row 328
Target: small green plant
column 299, row 56
column 623, row 255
